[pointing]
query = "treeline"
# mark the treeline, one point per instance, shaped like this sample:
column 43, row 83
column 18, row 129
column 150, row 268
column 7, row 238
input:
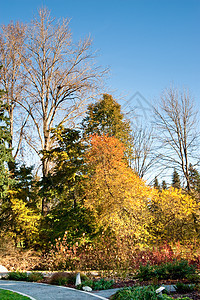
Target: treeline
column 92, row 160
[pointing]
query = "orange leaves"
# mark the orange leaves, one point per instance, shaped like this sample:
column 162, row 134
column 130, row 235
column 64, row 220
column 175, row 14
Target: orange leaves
column 117, row 196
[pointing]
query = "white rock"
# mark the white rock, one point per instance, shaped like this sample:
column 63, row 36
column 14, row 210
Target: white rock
column 78, row 279
column 3, row 269
column 158, row 291
column 87, row 288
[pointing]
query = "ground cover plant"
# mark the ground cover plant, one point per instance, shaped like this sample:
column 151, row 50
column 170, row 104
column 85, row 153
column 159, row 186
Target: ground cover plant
column 170, row 270
column 101, row 284
column 8, row 295
column 141, row 293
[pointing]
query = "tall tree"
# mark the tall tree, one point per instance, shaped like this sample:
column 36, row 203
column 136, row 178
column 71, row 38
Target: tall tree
column 66, row 157
column 176, row 182
column 106, row 117
column 156, row 183
column 144, row 158
column 115, row 194
column 12, row 48
column 194, row 182
column 5, row 151
column 175, row 119
column 60, row 76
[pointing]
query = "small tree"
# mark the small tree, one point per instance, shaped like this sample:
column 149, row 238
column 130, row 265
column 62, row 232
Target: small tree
column 164, row 185
column 176, row 183
column 156, row 183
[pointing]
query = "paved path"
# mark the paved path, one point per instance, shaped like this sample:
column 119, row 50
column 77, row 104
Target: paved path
column 40, row 291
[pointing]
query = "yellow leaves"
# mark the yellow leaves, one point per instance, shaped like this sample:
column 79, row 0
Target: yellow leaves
column 173, row 214
column 174, row 201
column 117, row 196
column 25, row 220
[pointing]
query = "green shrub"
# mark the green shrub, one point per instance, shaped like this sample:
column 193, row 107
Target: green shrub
column 63, row 278
column 174, row 270
column 193, row 278
column 180, row 269
column 181, row 287
column 100, row 284
column 35, row 276
column 141, row 293
column 20, row 276
column 146, row 272
column 137, row 293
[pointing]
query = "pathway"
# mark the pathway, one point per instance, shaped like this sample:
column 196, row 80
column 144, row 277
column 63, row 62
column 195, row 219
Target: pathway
column 41, row 291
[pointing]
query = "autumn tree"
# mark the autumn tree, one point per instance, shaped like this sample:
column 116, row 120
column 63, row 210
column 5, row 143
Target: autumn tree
column 176, row 123
column 105, row 117
column 115, row 194
column 173, row 216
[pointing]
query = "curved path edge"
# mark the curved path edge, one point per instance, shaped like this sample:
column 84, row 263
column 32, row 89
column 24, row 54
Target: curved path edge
column 18, row 293
column 23, row 287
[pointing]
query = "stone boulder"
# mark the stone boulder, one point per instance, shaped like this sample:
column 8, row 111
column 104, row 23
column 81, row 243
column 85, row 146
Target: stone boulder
column 3, row 269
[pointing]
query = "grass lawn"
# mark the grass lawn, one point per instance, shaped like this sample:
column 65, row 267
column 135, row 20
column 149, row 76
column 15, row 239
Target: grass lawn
column 8, row 295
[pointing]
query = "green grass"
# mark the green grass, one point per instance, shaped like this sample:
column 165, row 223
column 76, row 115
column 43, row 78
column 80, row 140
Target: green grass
column 8, row 295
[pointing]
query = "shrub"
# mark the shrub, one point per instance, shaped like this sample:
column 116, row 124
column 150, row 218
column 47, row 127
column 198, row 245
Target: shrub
column 172, row 270
column 100, row 284
column 141, row 293
column 63, row 278
column 20, row 276
column 35, row 276
column 181, row 287
column 193, row 278
column 146, row 272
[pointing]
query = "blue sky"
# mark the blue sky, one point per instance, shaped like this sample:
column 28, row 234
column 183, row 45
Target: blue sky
column 148, row 44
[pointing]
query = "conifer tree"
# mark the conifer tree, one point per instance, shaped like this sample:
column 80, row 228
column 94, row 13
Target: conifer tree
column 176, row 183
column 106, row 117
column 5, row 152
column 164, row 185
column 156, row 183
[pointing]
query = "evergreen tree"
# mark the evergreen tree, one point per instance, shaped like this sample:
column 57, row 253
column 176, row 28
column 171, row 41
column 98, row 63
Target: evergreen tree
column 5, row 152
column 164, row 185
column 156, row 183
column 106, row 117
column 194, row 178
column 176, row 183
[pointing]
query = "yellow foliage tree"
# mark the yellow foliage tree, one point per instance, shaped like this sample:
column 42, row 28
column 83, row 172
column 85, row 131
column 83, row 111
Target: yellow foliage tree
column 173, row 214
column 116, row 195
column 24, row 223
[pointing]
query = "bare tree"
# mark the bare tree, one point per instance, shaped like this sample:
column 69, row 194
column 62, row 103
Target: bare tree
column 144, row 158
column 60, row 76
column 11, row 51
column 176, row 122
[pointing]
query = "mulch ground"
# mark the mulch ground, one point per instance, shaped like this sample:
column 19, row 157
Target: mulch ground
column 195, row 295
column 119, row 283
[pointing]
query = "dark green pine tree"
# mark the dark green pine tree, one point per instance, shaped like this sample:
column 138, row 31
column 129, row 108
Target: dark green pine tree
column 5, row 152
column 106, row 117
column 194, row 178
column 156, row 183
column 176, row 183
column 164, row 185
